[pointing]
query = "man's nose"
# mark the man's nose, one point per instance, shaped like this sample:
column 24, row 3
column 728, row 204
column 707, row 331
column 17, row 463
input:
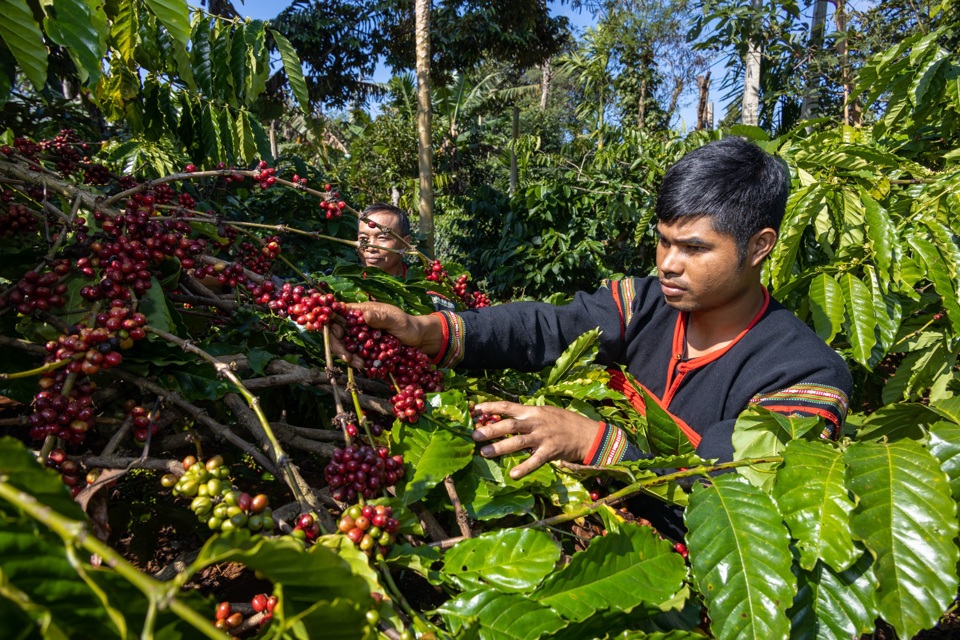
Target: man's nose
column 670, row 261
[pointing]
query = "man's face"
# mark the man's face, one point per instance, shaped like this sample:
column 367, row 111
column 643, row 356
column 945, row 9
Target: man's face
column 373, row 256
column 699, row 268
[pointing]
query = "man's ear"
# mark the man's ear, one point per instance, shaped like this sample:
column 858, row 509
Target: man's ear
column 760, row 246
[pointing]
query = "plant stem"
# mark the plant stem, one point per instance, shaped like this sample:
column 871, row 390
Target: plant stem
column 75, row 533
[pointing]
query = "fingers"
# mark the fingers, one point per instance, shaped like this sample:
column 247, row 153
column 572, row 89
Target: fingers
column 502, row 407
column 340, row 351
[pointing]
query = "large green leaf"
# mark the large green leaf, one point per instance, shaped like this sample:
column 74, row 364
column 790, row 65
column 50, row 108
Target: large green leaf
column 813, row 499
column 739, row 552
column 507, row 560
column 663, row 433
column 81, row 27
column 944, row 285
column 257, row 60
column 174, row 16
column 826, row 306
column 802, row 208
column 125, row 30
column 760, row 433
column 580, row 353
column 861, row 323
column 220, row 63
column 945, row 445
column 491, row 615
column 294, row 70
column 908, row 520
column 618, row 572
column 23, row 38
column 244, row 145
column 887, row 307
column 200, row 57
column 834, row 606
column 432, row 455
column 896, row 422
column 881, row 234
column 212, row 141
column 238, row 62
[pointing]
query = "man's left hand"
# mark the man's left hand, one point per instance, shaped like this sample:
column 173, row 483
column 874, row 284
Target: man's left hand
column 550, row 433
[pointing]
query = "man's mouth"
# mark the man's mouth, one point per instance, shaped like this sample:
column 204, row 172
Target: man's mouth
column 671, row 289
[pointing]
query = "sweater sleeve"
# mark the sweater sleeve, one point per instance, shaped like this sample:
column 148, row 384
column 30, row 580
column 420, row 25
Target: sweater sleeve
column 528, row 336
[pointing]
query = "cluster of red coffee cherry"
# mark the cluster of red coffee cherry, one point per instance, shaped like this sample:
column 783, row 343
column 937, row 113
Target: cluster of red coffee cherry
column 65, row 415
column 144, row 423
column 259, row 259
column 226, row 618
column 39, row 292
column 371, row 528
column 266, row 175
column 307, row 528
column 332, row 205
column 471, row 300
column 17, row 219
column 362, row 471
column 480, row 418
column 69, row 470
column 386, row 358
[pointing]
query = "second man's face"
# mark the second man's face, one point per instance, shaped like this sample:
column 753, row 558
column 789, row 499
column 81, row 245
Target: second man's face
column 373, row 238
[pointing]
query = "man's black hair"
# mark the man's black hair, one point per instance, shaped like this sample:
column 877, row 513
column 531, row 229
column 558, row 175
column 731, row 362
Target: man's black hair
column 403, row 227
column 739, row 186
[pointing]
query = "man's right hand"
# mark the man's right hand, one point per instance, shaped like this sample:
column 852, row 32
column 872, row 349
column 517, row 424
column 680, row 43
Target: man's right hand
column 423, row 332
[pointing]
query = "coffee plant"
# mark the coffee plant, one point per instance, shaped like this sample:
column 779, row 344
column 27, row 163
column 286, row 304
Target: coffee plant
column 182, row 456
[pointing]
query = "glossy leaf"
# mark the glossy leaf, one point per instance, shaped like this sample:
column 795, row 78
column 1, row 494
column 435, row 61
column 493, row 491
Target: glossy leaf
column 294, row 70
column 174, row 16
column 834, row 606
column 210, row 128
column 740, row 559
column 239, row 58
column 945, row 446
column 20, row 32
column 508, row 560
column 826, row 306
column 861, row 323
column 221, row 79
column 244, row 145
column 80, row 26
column 803, row 206
column 580, row 353
column 881, row 232
column 492, row 615
column 431, row 455
column 908, row 520
column 811, row 495
column 618, row 572
column 760, row 433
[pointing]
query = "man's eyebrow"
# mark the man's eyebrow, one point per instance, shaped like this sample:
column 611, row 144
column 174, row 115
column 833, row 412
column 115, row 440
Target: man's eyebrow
column 692, row 240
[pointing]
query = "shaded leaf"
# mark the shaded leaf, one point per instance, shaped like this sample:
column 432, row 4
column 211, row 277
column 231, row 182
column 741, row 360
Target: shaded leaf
column 294, row 70
column 581, row 352
column 834, row 606
column 945, row 445
column 80, row 26
column 23, row 38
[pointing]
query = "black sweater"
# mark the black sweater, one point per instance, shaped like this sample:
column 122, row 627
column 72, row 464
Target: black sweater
column 777, row 362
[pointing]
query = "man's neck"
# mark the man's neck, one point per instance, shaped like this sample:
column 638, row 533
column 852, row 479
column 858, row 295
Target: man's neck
column 714, row 329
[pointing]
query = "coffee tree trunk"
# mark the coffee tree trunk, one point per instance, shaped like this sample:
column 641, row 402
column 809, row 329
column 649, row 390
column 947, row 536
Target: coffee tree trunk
column 425, row 154
column 750, row 108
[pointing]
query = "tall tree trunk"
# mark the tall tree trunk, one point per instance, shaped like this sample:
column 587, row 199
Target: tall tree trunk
column 425, row 151
column 750, row 107
column 674, row 98
column 703, row 86
column 545, row 83
column 840, row 18
column 808, row 108
column 513, row 150
column 641, row 104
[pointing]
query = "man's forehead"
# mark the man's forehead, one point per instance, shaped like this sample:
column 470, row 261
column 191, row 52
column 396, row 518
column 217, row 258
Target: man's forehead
column 382, row 218
column 688, row 226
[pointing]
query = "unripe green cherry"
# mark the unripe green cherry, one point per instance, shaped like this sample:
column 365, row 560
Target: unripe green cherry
column 255, row 522
column 214, row 522
column 239, row 520
column 354, row 512
column 168, row 481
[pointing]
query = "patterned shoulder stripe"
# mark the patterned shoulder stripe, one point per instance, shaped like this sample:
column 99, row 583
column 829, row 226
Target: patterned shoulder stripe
column 627, row 293
column 815, row 396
